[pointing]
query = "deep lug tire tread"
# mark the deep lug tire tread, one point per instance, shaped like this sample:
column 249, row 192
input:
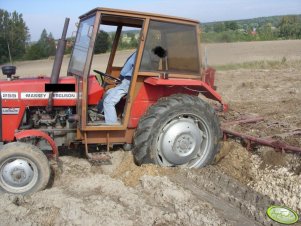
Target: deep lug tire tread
column 150, row 123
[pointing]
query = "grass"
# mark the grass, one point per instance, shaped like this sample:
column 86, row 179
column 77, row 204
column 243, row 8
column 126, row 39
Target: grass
column 263, row 64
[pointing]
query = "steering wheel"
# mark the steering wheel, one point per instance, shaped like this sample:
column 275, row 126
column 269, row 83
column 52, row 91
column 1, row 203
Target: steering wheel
column 104, row 75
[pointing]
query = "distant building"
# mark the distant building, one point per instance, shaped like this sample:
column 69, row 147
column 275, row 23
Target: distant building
column 253, row 32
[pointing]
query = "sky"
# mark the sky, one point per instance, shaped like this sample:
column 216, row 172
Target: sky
column 50, row 14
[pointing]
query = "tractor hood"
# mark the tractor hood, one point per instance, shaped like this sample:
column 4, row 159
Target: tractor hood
column 31, row 91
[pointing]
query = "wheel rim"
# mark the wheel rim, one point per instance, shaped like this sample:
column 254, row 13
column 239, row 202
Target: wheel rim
column 183, row 141
column 18, row 174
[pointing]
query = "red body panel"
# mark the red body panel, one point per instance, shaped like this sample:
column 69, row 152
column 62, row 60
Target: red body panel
column 190, row 83
column 155, row 88
column 11, row 122
column 148, row 95
column 38, row 85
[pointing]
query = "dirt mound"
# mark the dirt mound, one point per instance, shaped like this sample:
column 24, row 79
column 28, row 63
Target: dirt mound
column 234, row 160
column 130, row 173
column 276, row 175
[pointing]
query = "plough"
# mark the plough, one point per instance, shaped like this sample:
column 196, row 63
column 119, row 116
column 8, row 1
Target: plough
column 252, row 141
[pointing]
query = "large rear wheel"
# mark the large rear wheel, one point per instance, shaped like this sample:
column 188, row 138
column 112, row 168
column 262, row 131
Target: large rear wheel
column 180, row 130
column 24, row 169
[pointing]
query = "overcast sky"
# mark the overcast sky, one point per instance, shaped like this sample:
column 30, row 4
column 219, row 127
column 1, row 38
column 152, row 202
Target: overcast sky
column 50, row 14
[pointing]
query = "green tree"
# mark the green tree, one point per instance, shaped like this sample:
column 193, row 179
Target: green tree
column 51, row 44
column 3, row 50
column 266, row 32
column 43, row 44
column 102, row 42
column 231, row 25
column 34, row 52
column 44, row 48
column 219, row 27
column 290, row 27
column 134, row 42
column 13, row 32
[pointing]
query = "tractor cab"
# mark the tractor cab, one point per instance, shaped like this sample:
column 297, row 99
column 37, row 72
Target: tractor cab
column 106, row 68
column 164, row 46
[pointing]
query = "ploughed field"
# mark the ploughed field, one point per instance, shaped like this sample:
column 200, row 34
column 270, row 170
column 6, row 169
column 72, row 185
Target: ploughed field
column 235, row 190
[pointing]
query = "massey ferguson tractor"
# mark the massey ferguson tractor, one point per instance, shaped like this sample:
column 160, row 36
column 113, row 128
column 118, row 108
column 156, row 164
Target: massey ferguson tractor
column 161, row 120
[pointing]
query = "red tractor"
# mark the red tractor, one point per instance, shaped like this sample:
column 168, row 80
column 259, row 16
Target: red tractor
column 161, row 119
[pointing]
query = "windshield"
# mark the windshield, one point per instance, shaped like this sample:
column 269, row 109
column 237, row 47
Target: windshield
column 81, row 46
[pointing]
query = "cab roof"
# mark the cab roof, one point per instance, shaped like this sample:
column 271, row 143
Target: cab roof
column 139, row 15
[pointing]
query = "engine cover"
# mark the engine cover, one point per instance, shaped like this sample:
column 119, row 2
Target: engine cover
column 17, row 95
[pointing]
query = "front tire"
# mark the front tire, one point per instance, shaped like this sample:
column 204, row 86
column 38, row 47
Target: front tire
column 24, row 169
column 180, row 130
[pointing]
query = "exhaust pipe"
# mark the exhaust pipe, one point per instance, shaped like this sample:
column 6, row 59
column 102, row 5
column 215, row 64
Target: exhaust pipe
column 58, row 61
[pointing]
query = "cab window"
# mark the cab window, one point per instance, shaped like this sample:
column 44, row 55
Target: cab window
column 171, row 47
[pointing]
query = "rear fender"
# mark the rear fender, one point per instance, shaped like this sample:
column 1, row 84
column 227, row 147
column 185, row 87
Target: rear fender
column 37, row 133
column 195, row 85
column 154, row 88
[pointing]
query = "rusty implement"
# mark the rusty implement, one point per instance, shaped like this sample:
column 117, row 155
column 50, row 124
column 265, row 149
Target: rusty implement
column 265, row 141
column 247, row 120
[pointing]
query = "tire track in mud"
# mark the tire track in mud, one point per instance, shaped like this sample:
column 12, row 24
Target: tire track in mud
column 223, row 209
column 232, row 201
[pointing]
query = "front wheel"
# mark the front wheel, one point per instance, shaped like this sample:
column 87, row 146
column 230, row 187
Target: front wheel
column 24, row 169
column 180, row 130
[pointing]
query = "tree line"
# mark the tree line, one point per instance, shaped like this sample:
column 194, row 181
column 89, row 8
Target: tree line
column 15, row 40
column 258, row 29
column 15, row 37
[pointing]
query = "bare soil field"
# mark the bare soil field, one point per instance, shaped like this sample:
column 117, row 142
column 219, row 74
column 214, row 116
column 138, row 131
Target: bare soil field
column 240, row 52
column 217, row 54
column 235, row 190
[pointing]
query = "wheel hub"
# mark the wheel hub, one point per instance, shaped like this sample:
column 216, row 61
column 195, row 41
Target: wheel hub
column 17, row 173
column 180, row 141
column 184, row 144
